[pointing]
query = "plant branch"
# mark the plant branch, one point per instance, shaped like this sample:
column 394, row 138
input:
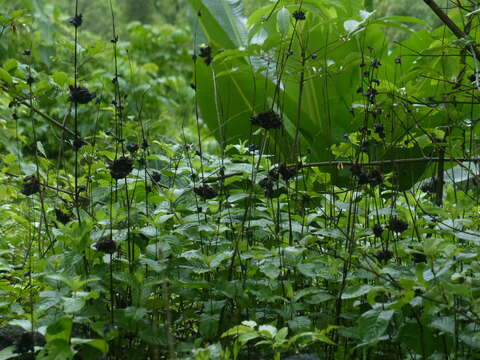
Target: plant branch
column 43, row 115
column 449, row 23
column 340, row 163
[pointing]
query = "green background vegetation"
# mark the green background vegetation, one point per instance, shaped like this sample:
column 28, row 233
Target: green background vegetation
column 238, row 180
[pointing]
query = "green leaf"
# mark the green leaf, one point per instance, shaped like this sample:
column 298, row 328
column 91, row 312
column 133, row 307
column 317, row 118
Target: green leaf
column 217, row 259
column 221, row 21
column 355, row 291
column 59, row 330
column 267, row 330
column 300, row 323
column 155, row 265
column 270, row 267
column 10, row 64
column 373, row 325
column 238, row 330
column 8, row 353
column 351, row 25
column 5, row 76
column 60, row 78
column 73, row 305
column 281, row 335
column 98, row 344
column 283, row 21
column 445, row 324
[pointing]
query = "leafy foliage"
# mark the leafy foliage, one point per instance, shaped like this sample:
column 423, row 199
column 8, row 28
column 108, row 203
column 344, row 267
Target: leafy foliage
column 296, row 187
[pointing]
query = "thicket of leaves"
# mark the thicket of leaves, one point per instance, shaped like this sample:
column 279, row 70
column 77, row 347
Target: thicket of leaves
column 291, row 185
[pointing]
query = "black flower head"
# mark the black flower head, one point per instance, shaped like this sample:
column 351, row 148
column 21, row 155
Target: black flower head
column 298, row 15
column 132, row 147
column 428, row 187
column 253, row 147
column 419, row 257
column 62, row 216
column 121, row 167
column 376, row 63
column 268, row 184
column 377, row 230
column 360, row 173
column 379, row 129
column 268, row 120
column 206, row 53
column 156, row 177
column 76, row 21
column 356, row 169
column 384, row 255
column 78, row 143
column 287, row 172
column 375, row 177
column 206, row 192
column 81, row 95
column 31, row 185
column 27, row 341
column 397, row 225
column 106, row 245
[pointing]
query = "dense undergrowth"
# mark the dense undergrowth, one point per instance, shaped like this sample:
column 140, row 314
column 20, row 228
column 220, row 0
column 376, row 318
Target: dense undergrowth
column 291, row 186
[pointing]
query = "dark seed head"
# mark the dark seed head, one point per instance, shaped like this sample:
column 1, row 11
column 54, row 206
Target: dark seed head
column 206, row 192
column 376, row 63
column 267, row 182
column 27, row 52
column 78, row 143
column 397, row 225
column 121, row 167
column 81, row 95
column 356, row 169
column 377, row 230
column 132, row 147
column 268, row 120
column 384, row 255
column 27, row 341
column 298, row 15
column 62, row 216
column 156, row 177
column 253, row 148
column 31, row 185
column 379, row 129
column 287, row 172
column 106, row 245
column 76, row 21
column 375, row 177
column 206, row 54
column 419, row 257
column 428, row 187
